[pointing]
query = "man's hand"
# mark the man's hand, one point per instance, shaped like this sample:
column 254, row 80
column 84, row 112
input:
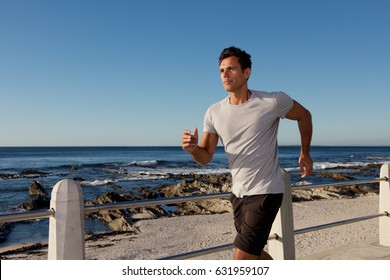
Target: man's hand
column 306, row 165
column 204, row 152
column 190, row 142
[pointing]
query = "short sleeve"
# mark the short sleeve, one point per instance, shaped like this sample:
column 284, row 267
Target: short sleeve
column 208, row 125
column 284, row 103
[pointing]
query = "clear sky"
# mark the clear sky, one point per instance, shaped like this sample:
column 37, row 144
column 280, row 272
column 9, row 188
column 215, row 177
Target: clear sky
column 123, row 73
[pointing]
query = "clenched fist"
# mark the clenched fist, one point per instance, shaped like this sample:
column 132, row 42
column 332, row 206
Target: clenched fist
column 190, row 141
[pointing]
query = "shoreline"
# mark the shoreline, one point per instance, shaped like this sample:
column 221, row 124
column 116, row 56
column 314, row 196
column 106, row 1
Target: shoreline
column 167, row 236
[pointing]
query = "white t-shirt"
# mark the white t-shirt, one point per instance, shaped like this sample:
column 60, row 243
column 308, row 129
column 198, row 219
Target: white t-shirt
column 249, row 133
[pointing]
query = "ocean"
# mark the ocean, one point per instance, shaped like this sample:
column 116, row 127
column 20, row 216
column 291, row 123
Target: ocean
column 131, row 167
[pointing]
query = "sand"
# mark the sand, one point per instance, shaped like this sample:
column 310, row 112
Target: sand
column 159, row 238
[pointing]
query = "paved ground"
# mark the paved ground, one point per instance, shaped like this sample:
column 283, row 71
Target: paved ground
column 364, row 251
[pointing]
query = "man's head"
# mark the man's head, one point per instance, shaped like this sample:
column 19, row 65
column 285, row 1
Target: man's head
column 243, row 58
column 235, row 69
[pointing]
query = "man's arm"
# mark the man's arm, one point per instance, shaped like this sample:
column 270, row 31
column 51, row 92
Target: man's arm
column 303, row 116
column 204, row 152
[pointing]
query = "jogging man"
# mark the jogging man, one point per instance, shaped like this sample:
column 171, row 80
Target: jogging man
column 246, row 122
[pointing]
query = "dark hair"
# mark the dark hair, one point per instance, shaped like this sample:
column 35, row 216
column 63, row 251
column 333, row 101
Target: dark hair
column 243, row 58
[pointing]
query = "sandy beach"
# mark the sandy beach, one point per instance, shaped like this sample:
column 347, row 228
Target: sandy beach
column 162, row 237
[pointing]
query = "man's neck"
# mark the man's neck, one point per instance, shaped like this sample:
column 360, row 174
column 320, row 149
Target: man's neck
column 237, row 98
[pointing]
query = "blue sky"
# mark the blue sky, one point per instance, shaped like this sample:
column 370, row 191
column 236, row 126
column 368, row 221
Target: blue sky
column 123, row 73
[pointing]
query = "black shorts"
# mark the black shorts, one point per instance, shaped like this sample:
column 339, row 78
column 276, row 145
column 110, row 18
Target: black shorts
column 253, row 219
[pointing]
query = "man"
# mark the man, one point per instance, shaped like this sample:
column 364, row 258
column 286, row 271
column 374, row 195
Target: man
column 247, row 123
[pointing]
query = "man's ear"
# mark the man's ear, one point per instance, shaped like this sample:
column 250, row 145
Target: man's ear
column 247, row 73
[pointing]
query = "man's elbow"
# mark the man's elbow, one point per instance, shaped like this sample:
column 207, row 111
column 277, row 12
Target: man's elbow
column 204, row 161
column 307, row 115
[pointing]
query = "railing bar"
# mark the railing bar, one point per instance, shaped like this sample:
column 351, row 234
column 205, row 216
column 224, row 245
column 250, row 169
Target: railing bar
column 338, row 223
column 345, row 183
column 207, row 251
column 23, row 216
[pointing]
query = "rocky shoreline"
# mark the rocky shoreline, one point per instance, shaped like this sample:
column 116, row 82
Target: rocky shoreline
column 122, row 220
column 191, row 184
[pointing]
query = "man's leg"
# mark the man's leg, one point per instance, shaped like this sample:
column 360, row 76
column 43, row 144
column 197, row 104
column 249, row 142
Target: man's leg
column 253, row 218
column 241, row 255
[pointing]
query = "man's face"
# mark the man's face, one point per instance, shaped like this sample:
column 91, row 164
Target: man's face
column 232, row 76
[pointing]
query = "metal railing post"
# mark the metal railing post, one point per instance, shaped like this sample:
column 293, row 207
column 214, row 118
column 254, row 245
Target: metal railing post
column 283, row 247
column 66, row 227
column 384, row 206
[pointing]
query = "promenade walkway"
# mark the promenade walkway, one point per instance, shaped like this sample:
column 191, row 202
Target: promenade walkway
column 369, row 250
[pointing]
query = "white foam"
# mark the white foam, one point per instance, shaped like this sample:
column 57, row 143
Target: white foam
column 330, row 165
column 98, row 182
column 143, row 163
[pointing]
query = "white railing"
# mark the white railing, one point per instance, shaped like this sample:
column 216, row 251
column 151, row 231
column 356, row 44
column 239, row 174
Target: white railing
column 66, row 214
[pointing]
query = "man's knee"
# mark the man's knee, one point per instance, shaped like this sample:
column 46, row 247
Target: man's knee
column 242, row 255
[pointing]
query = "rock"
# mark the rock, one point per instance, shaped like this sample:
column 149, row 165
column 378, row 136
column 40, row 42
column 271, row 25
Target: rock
column 201, row 184
column 145, row 193
column 73, row 168
column 5, row 230
column 36, row 204
column 78, row 179
column 116, row 220
column 8, row 176
column 36, row 189
column 353, row 191
column 336, row 176
column 333, row 192
column 28, row 206
column 213, row 206
column 39, row 198
column 114, row 186
column 110, row 197
column 30, row 173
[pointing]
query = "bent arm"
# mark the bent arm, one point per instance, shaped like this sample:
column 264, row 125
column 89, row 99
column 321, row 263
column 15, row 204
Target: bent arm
column 202, row 153
column 303, row 117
